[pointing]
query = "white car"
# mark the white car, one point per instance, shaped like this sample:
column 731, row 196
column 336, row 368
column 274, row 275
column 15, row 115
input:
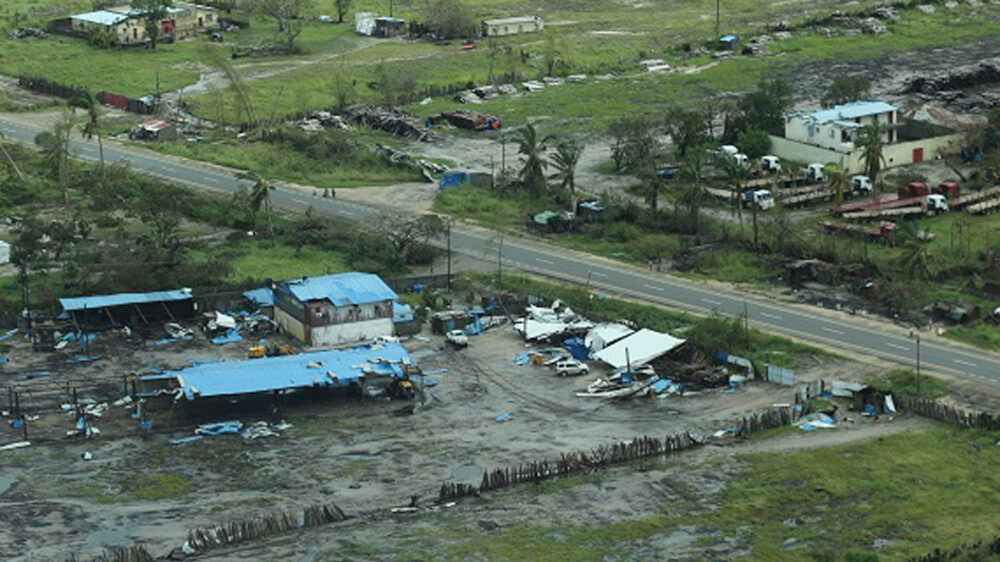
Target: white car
column 457, row 338
column 571, row 367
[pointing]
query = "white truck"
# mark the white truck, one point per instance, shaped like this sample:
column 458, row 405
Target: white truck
column 770, row 164
column 814, row 172
column 762, row 198
column 861, row 184
column 457, row 338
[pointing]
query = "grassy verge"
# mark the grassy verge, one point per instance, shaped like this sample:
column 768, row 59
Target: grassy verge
column 905, row 382
column 255, row 261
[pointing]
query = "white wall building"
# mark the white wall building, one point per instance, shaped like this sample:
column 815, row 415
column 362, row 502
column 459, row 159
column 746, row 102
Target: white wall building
column 828, row 137
column 512, row 26
column 335, row 309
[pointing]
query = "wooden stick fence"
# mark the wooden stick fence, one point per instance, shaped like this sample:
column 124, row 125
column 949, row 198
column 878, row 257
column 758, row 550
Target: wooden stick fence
column 604, row 456
column 199, row 540
column 949, row 414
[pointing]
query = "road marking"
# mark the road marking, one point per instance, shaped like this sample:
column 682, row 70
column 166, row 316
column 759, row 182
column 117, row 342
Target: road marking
column 897, row 346
column 300, row 201
column 966, row 363
column 771, row 316
column 651, row 287
column 545, row 261
column 710, row 301
column 598, row 274
column 832, row 331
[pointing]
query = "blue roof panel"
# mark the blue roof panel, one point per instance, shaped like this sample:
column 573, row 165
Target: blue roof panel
column 122, row 299
column 852, row 110
column 322, row 368
column 342, row 289
column 260, row 297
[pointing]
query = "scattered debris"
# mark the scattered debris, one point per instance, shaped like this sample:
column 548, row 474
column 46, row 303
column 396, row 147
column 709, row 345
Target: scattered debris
column 391, row 120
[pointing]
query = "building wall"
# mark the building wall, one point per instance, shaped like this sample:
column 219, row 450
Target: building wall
column 505, row 29
column 898, row 154
column 187, row 24
column 830, row 135
column 290, row 324
column 336, row 334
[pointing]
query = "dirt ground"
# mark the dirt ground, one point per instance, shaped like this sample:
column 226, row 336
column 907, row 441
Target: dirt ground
column 361, row 455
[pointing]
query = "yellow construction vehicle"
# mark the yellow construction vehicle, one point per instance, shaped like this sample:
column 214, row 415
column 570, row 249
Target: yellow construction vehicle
column 257, row 351
column 400, row 389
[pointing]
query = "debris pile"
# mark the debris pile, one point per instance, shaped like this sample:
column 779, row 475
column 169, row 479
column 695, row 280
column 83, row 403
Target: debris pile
column 391, row 120
column 27, row 32
column 403, row 160
column 317, row 121
column 468, row 120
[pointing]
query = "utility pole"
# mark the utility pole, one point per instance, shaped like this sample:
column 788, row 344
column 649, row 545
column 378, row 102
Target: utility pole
column 717, row 11
column 918, row 364
column 746, row 323
column 500, row 261
column 449, row 255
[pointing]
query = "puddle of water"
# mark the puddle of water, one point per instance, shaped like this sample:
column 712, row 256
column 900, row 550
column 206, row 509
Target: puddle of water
column 6, row 483
column 472, row 473
column 113, row 536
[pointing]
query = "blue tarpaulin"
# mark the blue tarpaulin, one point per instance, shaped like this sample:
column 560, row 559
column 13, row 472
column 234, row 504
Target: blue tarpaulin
column 322, row 368
column 577, row 349
column 229, row 337
column 220, row 428
column 122, row 299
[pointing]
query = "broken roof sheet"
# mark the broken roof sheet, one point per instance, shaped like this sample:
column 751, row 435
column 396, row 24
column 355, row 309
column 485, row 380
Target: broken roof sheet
column 606, row 334
column 341, row 289
column 642, row 347
column 260, row 297
column 121, row 299
column 852, row 110
column 323, row 368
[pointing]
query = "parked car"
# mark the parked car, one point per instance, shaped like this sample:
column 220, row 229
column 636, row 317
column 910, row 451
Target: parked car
column 457, row 338
column 571, row 367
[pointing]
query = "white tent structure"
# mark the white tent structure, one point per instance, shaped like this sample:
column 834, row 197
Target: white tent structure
column 604, row 335
column 638, row 349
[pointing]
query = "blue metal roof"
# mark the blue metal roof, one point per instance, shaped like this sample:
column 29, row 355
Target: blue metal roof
column 101, row 17
column 121, row 299
column 322, row 368
column 852, row 110
column 341, row 289
column 401, row 312
column 260, row 297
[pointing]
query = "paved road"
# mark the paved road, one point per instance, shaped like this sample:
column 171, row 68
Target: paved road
column 813, row 325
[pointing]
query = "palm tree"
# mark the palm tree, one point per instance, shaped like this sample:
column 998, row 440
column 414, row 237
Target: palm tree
column 13, row 164
column 869, row 140
column 840, row 181
column 736, row 175
column 564, row 160
column 258, row 197
column 917, row 260
column 91, row 128
column 532, row 149
column 692, row 194
column 55, row 150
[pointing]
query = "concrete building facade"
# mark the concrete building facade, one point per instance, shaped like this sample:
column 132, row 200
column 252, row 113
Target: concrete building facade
column 184, row 20
column 512, row 26
column 335, row 309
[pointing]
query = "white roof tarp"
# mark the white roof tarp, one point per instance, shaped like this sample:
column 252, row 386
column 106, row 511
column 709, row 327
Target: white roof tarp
column 641, row 348
column 604, row 335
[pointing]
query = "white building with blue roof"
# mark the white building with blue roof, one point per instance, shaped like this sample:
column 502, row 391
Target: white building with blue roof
column 836, row 128
column 335, row 309
column 828, row 136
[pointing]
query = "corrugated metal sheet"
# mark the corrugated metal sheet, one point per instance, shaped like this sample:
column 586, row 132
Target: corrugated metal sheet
column 640, row 348
column 342, row 289
column 852, row 110
column 101, row 17
column 121, row 299
column 260, row 297
column 323, row 368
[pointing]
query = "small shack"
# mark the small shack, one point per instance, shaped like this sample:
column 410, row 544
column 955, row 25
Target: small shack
column 128, row 309
column 512, row 26
column 154, row 129
column 374, row 25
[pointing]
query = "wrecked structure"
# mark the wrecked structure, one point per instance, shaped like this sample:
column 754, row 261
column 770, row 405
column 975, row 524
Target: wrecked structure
column 128, row 309
column 323, row 369
column 512, row 26
column 335, row 309
column 374, row 25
